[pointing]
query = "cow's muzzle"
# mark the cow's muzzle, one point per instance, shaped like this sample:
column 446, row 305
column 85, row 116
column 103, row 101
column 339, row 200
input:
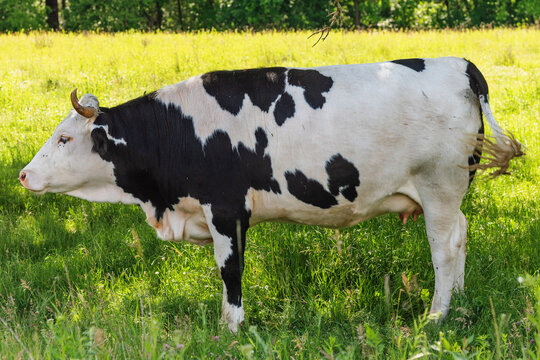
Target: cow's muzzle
column 27, row 179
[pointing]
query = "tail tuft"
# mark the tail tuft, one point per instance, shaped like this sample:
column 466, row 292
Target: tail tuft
column 496, row 151
column 496, row 155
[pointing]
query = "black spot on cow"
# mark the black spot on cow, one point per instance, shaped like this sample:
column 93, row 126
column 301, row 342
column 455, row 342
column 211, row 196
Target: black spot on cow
column 262, row 141
column 474, row 159
column 100, row 141
column 263, row 86
column 284, row 108
column 314, row 84
column 414, row 64
column 308, row 190
column 165, row 160
column 343, row 177
column 477, row 82
column 479, row 86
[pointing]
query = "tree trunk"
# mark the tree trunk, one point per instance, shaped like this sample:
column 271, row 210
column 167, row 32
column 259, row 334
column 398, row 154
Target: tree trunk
column 180, row 24
column 159, row 14
column 52, row 14
column 356, row 15
column 449, row 21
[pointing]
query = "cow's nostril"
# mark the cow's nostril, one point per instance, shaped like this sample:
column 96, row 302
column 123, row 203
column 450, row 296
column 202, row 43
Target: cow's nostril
column 22, row 176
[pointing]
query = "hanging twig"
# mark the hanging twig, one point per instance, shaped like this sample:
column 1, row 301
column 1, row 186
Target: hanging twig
column 336, row 16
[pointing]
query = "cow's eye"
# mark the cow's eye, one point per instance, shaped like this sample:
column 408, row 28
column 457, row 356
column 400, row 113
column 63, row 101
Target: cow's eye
column 64, row 139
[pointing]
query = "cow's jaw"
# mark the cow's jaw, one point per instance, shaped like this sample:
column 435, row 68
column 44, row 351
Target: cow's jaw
column 103, row 193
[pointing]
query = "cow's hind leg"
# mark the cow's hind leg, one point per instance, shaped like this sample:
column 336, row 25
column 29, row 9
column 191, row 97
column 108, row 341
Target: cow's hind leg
column 228, row 229
column 459, row 276
column 446, row 228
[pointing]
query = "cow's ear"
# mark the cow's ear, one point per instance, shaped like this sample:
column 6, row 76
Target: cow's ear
column 100, row 140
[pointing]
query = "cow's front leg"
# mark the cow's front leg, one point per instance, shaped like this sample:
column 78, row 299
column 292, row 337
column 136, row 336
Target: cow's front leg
column 228, row 230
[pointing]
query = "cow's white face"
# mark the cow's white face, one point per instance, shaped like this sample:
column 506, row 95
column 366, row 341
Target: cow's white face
column 67, row 164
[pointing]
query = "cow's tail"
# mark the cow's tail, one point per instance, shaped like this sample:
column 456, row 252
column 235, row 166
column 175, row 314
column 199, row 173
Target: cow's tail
column 498, row 150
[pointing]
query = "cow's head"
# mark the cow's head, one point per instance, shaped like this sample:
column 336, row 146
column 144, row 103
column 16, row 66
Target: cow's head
column 68, row 161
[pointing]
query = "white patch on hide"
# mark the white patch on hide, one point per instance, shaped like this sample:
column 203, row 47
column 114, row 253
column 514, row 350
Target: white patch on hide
column 231, row 314
column 113, row 139
column 222, row 243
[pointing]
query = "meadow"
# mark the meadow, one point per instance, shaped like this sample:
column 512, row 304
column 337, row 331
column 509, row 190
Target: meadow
column 88, row 280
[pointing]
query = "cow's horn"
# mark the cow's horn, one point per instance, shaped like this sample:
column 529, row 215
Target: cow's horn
column 86, row 111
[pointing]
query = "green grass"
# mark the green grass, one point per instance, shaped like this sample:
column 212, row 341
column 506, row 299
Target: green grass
column 85, row 280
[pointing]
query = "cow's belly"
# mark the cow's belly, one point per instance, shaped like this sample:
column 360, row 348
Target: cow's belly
column 286, row 208
column 186, row 222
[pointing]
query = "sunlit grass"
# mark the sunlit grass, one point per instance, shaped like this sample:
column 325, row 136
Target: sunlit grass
column 81, row 280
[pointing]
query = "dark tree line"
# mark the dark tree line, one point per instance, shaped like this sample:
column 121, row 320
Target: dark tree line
column 185, row 15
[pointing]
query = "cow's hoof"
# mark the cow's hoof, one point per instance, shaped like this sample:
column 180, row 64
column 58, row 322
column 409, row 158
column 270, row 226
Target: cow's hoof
column 233, row 316
column 436, row 317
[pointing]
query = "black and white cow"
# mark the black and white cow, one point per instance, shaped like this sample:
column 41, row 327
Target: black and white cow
column 212, row 155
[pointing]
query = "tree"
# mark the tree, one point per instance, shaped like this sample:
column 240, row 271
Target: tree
column 356, row 15
column 186, row 15
column 51, row 6
column 180, row 24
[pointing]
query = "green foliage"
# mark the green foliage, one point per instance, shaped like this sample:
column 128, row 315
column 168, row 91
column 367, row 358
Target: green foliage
column 248, row 13
column 88, row 280
column 403, row 13
column 116, row 15
column 151, row 15
column 18, row 15
column 525, row 11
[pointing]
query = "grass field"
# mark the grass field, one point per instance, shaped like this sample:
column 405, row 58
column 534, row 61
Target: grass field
column 86, row 280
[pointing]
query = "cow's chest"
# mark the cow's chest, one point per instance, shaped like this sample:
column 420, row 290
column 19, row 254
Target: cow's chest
column 185, row 222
